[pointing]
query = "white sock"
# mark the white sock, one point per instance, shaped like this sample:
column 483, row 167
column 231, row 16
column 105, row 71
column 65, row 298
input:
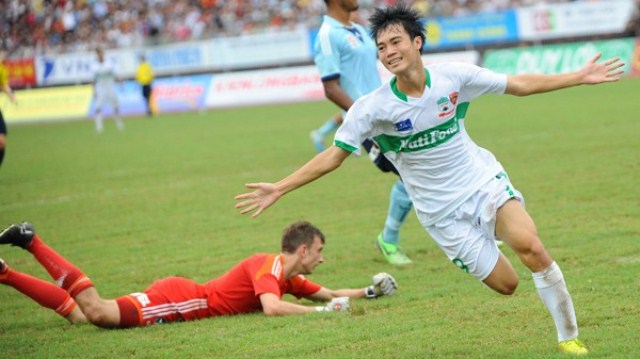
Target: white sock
column 556, row 297
column 118, row 119
column 98, row 120
column 119, row 123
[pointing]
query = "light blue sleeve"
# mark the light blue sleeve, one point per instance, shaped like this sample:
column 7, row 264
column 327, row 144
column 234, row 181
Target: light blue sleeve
column 327, row 54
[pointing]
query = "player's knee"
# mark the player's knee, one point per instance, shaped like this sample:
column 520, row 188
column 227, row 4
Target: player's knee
column 533, row 253
column 508, row 287
column 97, row 314
column 530, row 245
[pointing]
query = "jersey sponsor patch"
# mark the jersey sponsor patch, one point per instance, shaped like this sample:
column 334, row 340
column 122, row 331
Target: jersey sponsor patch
column 404, row 125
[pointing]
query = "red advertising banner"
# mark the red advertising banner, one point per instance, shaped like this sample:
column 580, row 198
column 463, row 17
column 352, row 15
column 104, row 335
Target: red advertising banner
column 635, row 59
column 22, row 72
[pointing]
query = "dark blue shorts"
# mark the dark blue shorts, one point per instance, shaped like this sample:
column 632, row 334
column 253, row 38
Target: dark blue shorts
column 3, row 126
column 380, row 161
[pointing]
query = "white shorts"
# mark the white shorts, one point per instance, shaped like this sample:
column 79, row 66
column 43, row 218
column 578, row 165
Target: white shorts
column 467, row 235
column 106, row 96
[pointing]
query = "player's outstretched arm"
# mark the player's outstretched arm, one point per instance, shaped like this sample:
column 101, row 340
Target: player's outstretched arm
column 592, row 73
column 266, row 194
column 382, row 284
column 274, row 306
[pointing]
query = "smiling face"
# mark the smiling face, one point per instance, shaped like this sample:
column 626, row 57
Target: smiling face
column 396, row 50
column 311, row 256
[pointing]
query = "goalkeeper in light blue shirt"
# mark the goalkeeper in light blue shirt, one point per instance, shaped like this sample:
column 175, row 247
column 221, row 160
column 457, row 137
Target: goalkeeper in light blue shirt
column 346, row 57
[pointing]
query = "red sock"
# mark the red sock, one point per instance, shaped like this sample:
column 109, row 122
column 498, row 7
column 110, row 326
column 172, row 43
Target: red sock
column 66, row 275
column 44, row 293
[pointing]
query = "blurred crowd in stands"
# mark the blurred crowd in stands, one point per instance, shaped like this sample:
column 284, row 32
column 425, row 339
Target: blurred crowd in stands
column 30, row 27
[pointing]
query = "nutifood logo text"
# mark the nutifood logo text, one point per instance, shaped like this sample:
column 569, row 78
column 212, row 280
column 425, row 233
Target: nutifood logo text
column 429, row 138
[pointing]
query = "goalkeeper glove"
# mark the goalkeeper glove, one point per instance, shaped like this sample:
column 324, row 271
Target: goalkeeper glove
column 339, row 304
column 383, row 284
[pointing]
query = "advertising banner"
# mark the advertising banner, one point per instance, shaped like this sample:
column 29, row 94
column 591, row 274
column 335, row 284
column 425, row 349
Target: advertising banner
column 180, row 58
column 292, row 84
column 59, row 103
column 635, row 59
column 225, row 54
column 265, row 86
column 277, row 48
column 67, row 69
column 22, row 72
column 581, row 18
column 190, row 93
column 555, row 59
column 185, row 93
column 470, row 30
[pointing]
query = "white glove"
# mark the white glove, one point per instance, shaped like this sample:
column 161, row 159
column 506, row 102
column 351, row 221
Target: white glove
column 339, row 304
column 383, row 284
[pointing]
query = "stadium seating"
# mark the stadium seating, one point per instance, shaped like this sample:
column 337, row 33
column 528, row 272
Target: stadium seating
column 61, row 26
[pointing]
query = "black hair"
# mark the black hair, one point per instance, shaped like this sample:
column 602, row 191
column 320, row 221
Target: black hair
column 399, row 14
column 299, row 233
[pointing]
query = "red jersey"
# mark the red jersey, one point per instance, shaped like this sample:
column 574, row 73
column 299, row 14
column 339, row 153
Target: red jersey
column 238, row 290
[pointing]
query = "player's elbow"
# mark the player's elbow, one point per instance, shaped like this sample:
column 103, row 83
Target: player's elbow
column 520, row 92
column 332, row 94
column 518, row 86
column 271, row 310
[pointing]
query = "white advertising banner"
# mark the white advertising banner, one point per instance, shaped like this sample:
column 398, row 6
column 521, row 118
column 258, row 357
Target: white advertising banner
column 227, row 54
column 77, row 68
column 291, row 84
column 278, row 48
column 548, row 21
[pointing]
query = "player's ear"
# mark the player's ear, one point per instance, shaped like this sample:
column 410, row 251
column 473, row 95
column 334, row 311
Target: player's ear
column 302, row 250
column 417, row 43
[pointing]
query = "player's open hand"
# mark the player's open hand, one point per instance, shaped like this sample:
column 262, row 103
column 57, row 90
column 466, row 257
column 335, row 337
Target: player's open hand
column 607, row 71
column 265, row 195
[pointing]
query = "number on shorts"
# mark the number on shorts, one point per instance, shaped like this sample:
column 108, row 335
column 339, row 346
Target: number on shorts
column 142, row 298
column 461, row 265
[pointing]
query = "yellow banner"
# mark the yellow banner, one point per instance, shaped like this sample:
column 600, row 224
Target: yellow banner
column 59, row 103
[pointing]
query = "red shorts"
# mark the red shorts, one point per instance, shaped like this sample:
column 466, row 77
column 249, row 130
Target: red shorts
column 167, row 300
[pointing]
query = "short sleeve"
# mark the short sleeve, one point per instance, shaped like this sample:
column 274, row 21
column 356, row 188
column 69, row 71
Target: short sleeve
column 263, row 279
column 477, row 81
column 327, row 55
column 300, row 287
column 357, row 127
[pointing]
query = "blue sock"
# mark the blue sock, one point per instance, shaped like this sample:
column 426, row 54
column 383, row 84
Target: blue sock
column 399, row 207
column 328, row 127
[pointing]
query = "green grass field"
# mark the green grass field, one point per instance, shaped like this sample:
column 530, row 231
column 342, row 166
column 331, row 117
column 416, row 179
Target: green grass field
column 157, row 200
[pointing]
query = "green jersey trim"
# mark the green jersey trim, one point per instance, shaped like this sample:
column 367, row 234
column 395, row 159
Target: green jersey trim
column 426, row 139
column 461, row 110
column 399, row 94
column 345, row 146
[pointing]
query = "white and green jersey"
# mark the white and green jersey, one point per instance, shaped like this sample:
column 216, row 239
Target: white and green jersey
column 425, row 137
column 104, row 74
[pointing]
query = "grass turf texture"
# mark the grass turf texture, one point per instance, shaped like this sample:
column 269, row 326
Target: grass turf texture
column 157, row 200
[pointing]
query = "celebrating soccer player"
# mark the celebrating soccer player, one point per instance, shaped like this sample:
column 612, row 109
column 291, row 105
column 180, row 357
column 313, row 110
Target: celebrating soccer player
column 463, row 196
